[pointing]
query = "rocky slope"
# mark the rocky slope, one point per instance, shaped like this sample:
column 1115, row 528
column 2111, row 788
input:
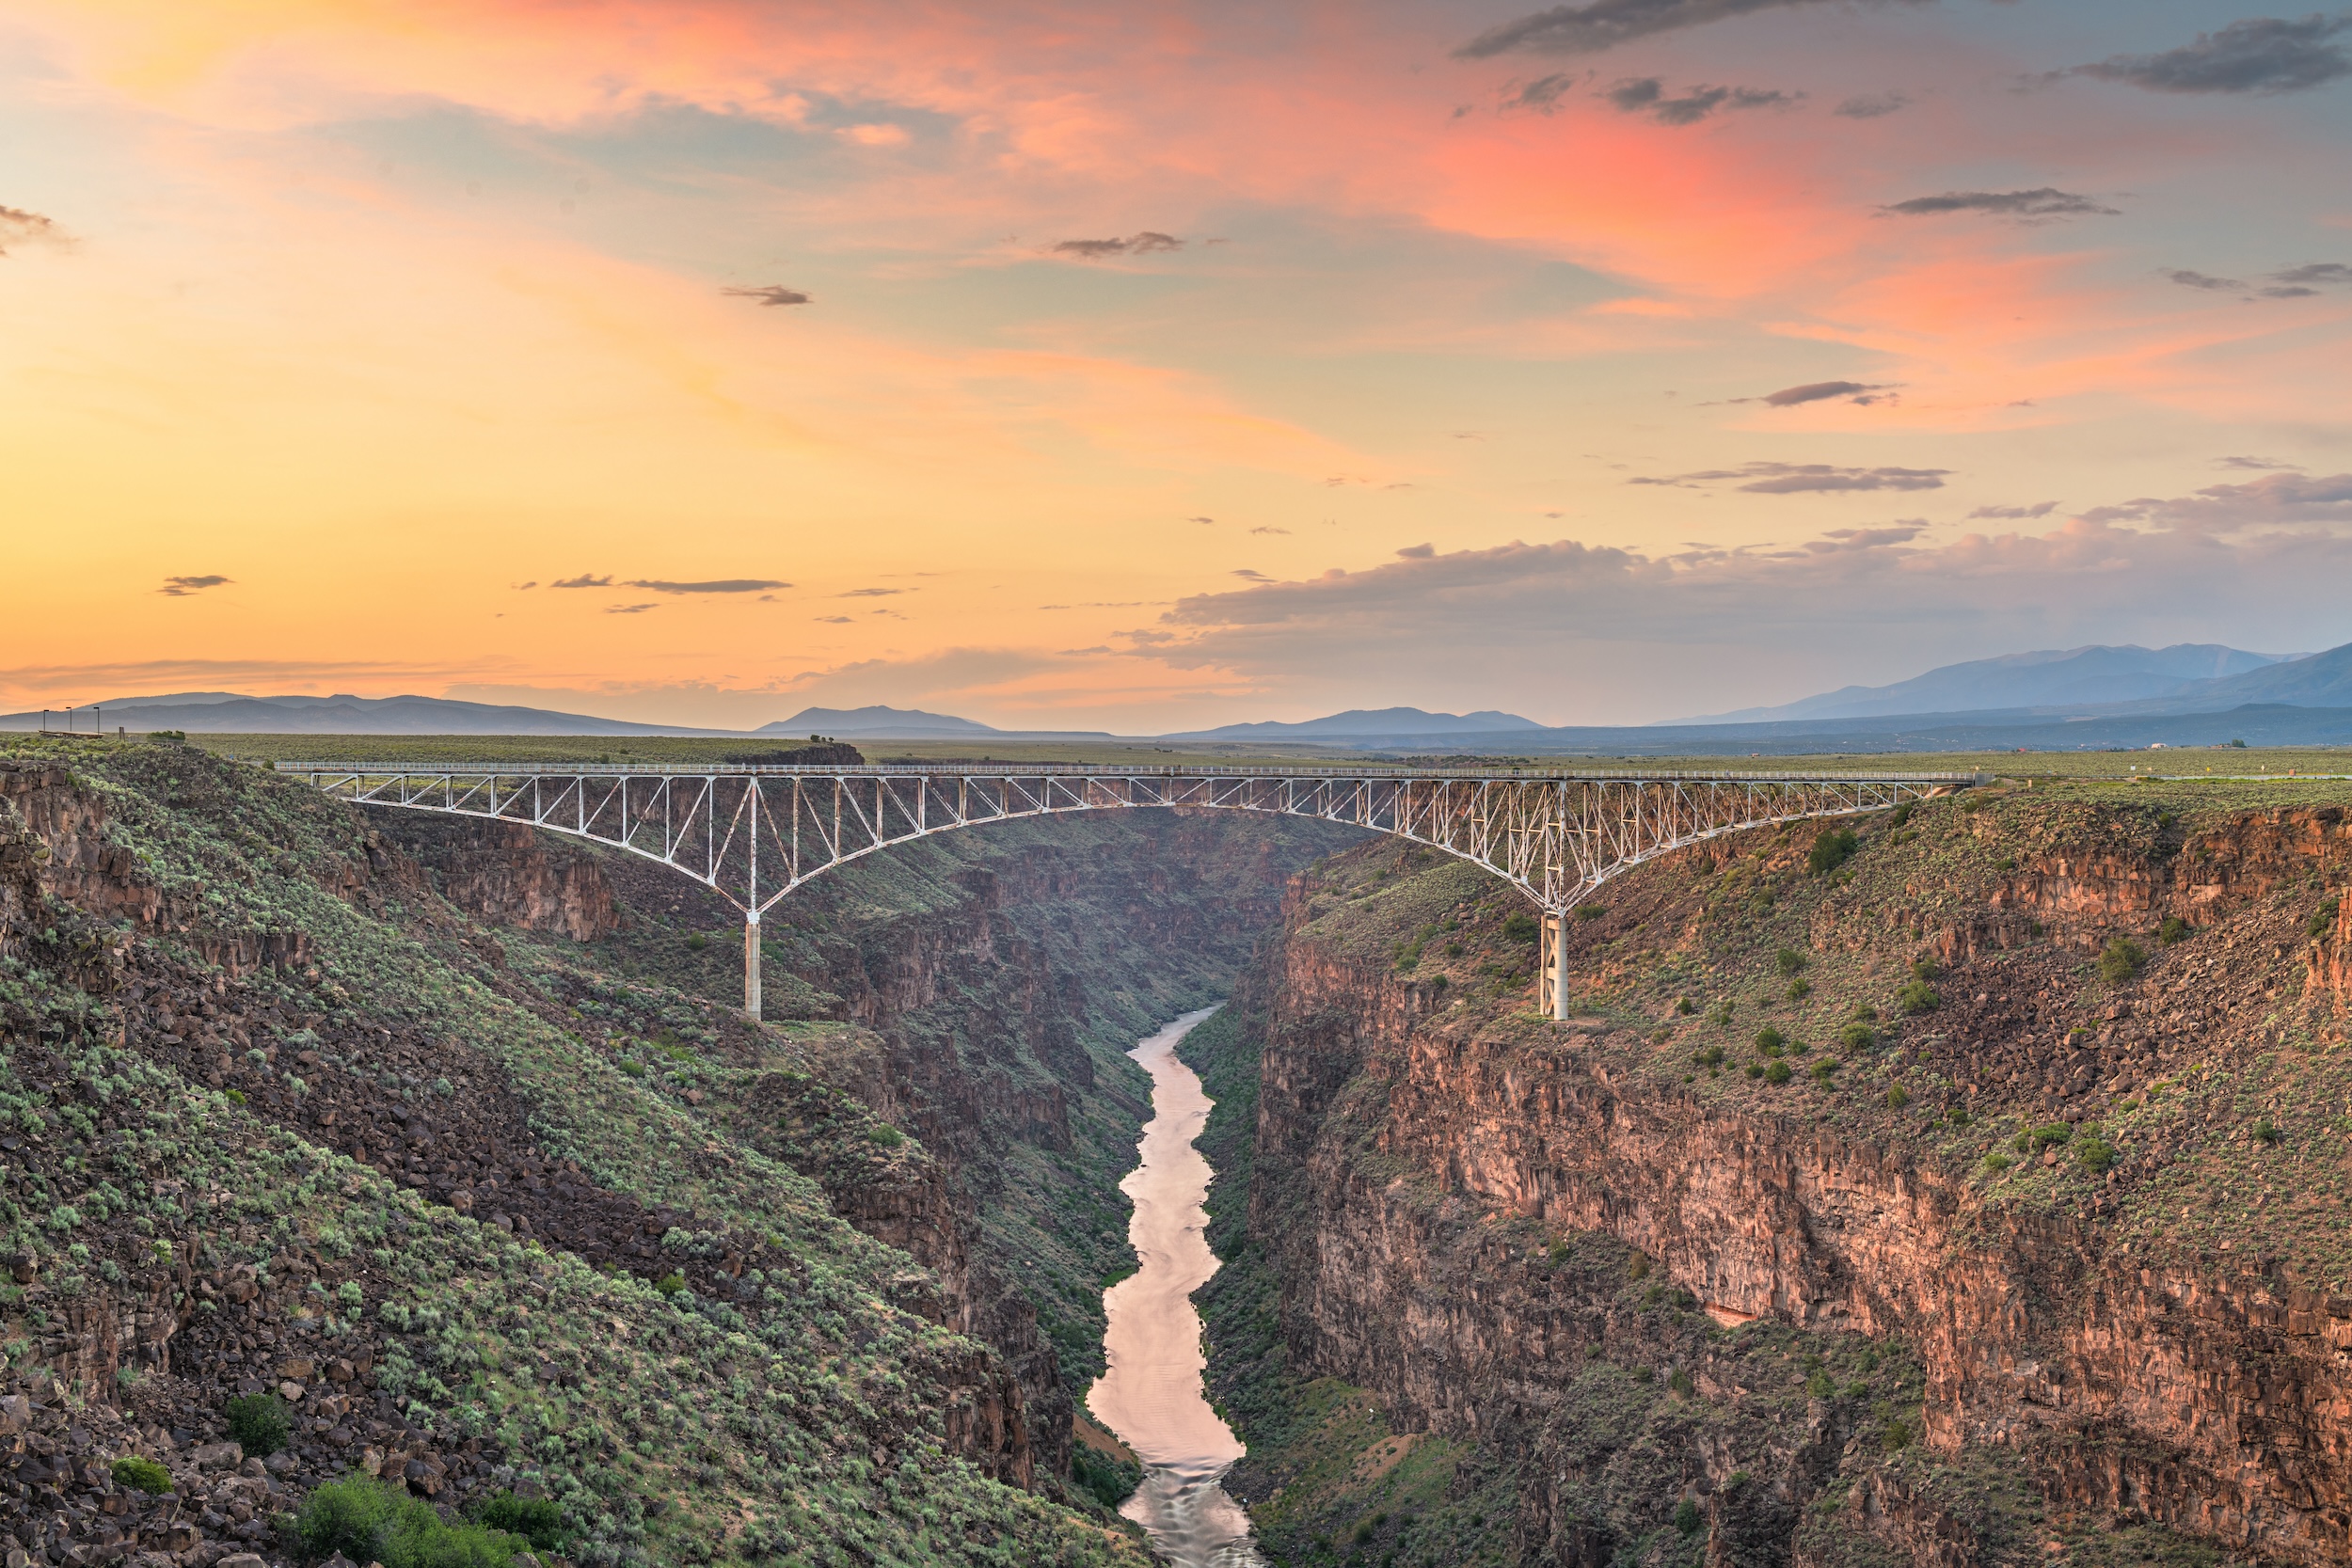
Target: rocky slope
column 1976, row 1198
column 441, row 1142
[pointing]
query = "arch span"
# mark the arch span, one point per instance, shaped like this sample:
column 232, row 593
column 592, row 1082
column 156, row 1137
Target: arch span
column 754, row 833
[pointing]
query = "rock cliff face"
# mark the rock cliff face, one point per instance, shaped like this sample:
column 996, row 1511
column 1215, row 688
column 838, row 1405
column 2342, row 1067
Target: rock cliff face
column 1414, row 1150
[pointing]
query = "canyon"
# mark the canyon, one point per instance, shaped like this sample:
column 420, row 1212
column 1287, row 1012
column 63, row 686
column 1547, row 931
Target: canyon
column 1971, row 1194
column 1634, row 1292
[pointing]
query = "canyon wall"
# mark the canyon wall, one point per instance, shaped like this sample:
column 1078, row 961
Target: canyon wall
column 1415, row 1151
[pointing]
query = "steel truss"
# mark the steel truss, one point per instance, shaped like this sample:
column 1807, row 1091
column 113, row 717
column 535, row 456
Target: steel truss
column 752, row 834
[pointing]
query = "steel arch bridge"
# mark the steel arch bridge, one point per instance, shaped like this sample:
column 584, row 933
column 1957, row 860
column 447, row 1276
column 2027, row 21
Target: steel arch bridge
column 753, row 833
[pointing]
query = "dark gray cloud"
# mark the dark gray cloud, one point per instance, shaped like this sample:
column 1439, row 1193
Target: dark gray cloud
column 1647, row 95
column 2044, row 202
column 1871, row 105
column 1249, row 573
column 2016, row 513
column 771, row 294
column 2259, row 464
column 1544, row 93
column 834, row 621
column 1200, row 519
column 1821, row 392
column 629, row 609
column 1144, row 244
column 1790, row 479
column 17, row 226
column 872, row 592
column 180, row 588
column 1599, row 24
column 1417, row 552
column 2286, row 283
column 2265, row 55
column 2316, row 272
column 1269, row 528
column 2274, row 498
column 721, row 585
column 583, row 581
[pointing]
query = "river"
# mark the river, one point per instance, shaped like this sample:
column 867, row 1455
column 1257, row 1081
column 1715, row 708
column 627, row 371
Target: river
column 1152, row 1395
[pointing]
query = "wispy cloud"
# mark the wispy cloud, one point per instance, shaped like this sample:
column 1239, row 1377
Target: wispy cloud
column 583, row 581
column 19, row 226
column 1269, row 528
column 770, row 293
column 2042, row 202
column 1587, row 29
column 720, row 585
column 1143, row 244
column 1863, row 393
column 1872, row 105
column 2260, row 54
column 1790, row 479
column 1647, row 95
column 872, row 592
column 2015, row 514
column 180, row 588
column 629, row 609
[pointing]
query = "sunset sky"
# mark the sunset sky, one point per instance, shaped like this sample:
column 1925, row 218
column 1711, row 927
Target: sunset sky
column 1155, row 366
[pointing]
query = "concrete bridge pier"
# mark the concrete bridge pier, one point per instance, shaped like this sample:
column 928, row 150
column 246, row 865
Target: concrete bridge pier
column 751, row 965
column 1551, row 989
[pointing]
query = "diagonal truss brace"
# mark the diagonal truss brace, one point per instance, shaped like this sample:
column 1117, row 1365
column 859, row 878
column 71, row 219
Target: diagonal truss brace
column 754, row 835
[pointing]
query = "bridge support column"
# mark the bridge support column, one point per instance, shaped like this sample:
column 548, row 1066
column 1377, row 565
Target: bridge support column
column 1551, row 989
column 751, row 966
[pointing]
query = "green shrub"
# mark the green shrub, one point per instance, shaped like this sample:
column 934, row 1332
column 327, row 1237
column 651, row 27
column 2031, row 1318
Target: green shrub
column 366, row 1519
column 2266, row 1132
column 2120, row 960
column 1896, row 1438
column 142, row 1474
column 697, row 941
column 2042, row 1137
column 1519, row 925
column 537, row 1520
column 1854, row 1037
column 2322, row 918
column 1712, row 1057
column 1756, row 1069
column 1923, row 968
column 670, row 1284
column 1799, row 989
column 1788, row 960
column 1998, row 1161
column 1822, row 1069
column 1831, row 850
column 1684, row 1007
column 1865, row 1013
column 1591, row 911
column 2174, row 930
column 258, row 1422
column 1777, row 1073
column 1918, row 997
column 1770, row 1040
column 885, row 1135
column 1681, row 1383
column 2096, row 1154
column 1687, row 1520
column 1957, row 1115
column 1897, row 1096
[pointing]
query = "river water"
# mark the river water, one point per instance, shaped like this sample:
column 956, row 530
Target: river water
column 1152, row 1395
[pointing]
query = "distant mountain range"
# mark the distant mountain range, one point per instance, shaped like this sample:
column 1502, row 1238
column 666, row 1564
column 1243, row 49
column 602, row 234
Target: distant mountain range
column 2191, row 694
column 226, row 713
column 2073, row 677
column 903, row 723
column 1359, row 724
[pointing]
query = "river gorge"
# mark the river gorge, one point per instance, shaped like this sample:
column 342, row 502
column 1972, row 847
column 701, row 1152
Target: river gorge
column 1151, row 1394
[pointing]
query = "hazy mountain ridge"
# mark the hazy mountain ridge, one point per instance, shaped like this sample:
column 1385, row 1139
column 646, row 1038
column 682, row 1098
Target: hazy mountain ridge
column 2045, row 679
